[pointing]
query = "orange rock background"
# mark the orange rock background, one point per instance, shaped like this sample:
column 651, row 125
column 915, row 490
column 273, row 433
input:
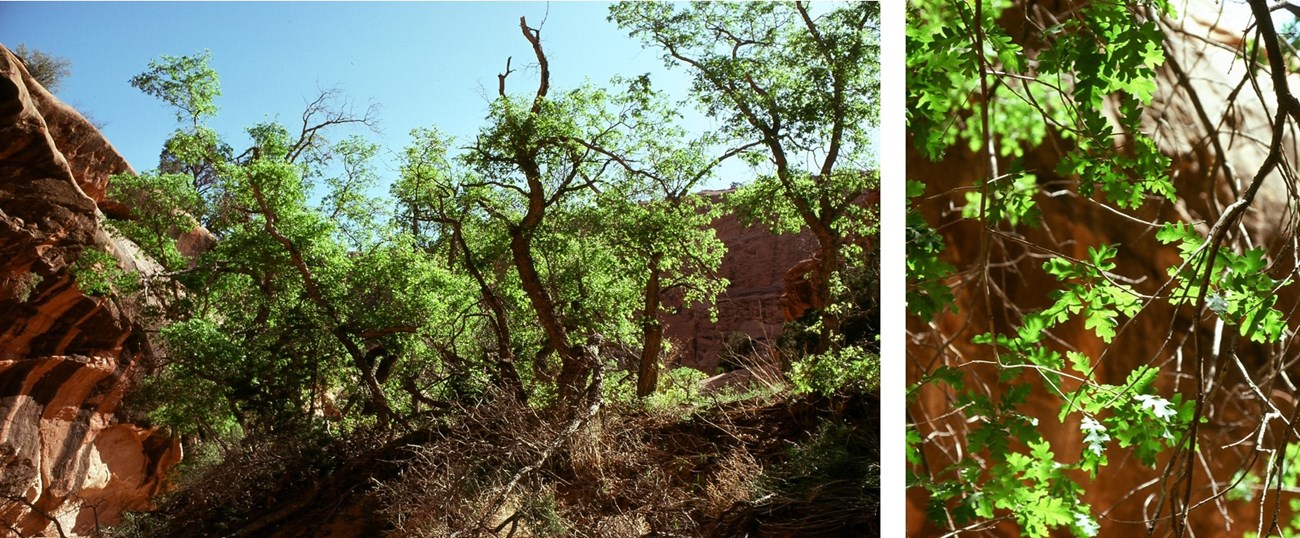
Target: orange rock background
column 755, row 266
column 767, row 286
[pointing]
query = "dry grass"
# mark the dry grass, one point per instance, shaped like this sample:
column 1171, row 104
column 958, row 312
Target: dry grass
column 499, row 469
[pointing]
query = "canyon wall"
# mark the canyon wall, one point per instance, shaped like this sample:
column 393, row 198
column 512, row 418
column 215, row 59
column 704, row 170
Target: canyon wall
column 66, row 357
column 750, row 311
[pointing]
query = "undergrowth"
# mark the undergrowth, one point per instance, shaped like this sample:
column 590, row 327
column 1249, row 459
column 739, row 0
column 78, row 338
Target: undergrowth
column 768, row 465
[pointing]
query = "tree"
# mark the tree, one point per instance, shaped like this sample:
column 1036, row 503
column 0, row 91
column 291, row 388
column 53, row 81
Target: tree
column 589, row 189
column 187, row 83
column 661, row 230
column 529, row 165
column 47, row 69
column 788, row 86
column 433, row 209
column 304, row 277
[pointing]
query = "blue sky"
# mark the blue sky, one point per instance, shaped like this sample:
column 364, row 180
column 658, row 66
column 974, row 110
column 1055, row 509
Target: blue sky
column 425, row 64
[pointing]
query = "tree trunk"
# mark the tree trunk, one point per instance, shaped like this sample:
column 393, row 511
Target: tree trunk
column 828, row 253
column 378, row 399
column 572, row 368
column 652, row 331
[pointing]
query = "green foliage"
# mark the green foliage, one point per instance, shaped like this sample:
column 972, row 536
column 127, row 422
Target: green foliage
column 195, row 393
column 98, row 273
column 341, row 304
column 162, row 206
column 1238, row 289
column 187, row 83
column 850, row 367
column 360, row 217
column 1139, row 418
column 927, row 293
column 1106, row 52
column 780, row 67
column 1090, row 293
column 1090, row 77
column 943, row 73
column 198, row 154
column 678, row 394
column 278, row 317
column 566, row 229
column 1011, row 199
column 24, row 284
column 1024, row 484
column 790, row 85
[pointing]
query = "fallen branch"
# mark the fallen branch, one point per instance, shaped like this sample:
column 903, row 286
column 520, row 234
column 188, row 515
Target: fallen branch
column 593, row 405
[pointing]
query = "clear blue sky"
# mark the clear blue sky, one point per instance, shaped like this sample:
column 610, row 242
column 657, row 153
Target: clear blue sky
column 425, row 64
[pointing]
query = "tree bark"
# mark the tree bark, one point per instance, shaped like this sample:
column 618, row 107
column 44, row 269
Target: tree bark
column 652, row 331
column 828, row 250
column 572, row 369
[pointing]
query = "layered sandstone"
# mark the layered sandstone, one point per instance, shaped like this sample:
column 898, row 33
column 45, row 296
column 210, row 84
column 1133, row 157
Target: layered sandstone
column 66, row 357
column 751, row 310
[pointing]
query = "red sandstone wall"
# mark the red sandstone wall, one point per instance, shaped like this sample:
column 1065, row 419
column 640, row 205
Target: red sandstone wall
column 66, row 358
column 755, row 264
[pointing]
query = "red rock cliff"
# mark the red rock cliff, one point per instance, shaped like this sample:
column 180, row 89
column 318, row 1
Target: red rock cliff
column 755, row 264
column 767, row 287
column 66, row 358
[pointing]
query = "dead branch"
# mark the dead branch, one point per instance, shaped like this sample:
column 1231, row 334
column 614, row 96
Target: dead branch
column 21, row 499
column 323, row 112
column 501, row 78
column 534, row 37
column 593, row 406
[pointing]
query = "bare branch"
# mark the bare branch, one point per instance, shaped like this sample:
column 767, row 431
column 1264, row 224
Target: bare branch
column 534, row 37
column 501, row 78
column 593, row 406
column 58, row 527
column 324, row 112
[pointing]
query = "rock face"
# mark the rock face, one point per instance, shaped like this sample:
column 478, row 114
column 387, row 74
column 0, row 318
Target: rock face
column 768, row 286
column 751, row 310
column 66, row 357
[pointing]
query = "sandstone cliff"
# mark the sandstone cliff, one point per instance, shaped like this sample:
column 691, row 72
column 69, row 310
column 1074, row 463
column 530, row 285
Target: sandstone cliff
column 750, row 312
column 66, row 357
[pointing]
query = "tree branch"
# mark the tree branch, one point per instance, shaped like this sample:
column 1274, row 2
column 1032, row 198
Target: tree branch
column 32, row 506
column 378, row 398
column 534, row 37
column 343, row 115
column 593, row 397
column 501, row 78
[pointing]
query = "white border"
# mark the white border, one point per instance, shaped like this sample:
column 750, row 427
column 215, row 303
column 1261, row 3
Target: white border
column 892, row 159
